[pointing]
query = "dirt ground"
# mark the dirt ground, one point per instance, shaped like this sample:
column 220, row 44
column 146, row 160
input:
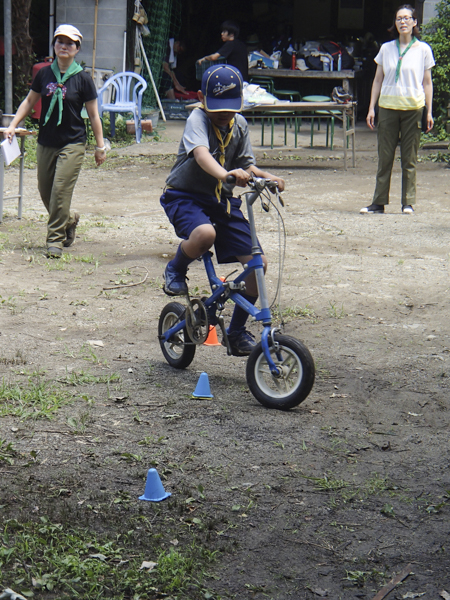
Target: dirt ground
column 331, row 499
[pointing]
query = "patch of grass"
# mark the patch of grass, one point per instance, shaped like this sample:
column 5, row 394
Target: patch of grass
column 10, row 303
column 90, row 259
column 18, row 359
column 72, row 563
column 435, row 157
column 359, row 578
column 87, row 353
column 348, row 491
column 38, row 399
column 4, row 241
column 335, row 312
column 59, row 264
column 79, row 425
column 326, row 483
column 85, row 378
column 294, row 312
column 7, row 453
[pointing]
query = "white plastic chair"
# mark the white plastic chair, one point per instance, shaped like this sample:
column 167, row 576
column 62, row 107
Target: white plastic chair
column 128, row 90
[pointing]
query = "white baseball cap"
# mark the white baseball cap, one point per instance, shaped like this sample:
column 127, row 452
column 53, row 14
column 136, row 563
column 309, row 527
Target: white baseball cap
column 69, row 31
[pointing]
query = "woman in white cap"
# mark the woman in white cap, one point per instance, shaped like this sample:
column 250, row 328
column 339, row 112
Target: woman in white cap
column 64, row 89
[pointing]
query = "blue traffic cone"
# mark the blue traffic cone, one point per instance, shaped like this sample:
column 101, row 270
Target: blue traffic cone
column 203, row 390
column 154, row 489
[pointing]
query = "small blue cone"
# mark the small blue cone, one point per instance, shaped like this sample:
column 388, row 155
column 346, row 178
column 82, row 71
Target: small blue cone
column 203, row 390
column 154, row 489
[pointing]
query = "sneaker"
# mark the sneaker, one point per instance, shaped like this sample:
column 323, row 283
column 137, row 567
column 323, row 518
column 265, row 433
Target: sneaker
column 373, row 208
column 70, row 231
column 54, row 252
column 408, row 209
column 174, row 282
column 241, row 342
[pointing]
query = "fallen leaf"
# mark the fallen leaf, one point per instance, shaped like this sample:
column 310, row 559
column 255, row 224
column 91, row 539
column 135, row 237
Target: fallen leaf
column 101, row 557
column 120, row 398
column 148, row 564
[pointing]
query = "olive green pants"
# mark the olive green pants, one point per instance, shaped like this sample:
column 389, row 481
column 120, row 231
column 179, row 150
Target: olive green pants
column 394, row 125
column 57, row 172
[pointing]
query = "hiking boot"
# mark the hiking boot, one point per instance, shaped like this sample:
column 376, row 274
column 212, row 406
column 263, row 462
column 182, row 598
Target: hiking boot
column 373, row 209
column 54, row 252
column 70, row 231
column 241, row 342
column 407, row 209
column 174, row 282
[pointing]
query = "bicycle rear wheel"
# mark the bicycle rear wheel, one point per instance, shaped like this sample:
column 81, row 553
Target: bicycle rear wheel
column 176, row 352
column 297, row 374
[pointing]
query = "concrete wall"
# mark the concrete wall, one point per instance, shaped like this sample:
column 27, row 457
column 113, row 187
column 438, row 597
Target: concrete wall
column 428, row 10
column 111, row 24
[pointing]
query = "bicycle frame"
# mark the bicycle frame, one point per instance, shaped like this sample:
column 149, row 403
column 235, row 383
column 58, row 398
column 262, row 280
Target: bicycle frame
column 224, row 290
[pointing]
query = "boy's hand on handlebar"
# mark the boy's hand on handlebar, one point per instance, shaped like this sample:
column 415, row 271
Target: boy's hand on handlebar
column 279, row 182
column 241, row 176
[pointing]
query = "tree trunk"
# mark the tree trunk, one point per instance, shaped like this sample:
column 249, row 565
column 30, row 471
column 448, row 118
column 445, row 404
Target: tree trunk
column 23, row 59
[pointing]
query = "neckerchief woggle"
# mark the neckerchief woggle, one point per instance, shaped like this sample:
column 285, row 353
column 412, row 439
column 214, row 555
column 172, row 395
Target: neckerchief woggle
column 401, row 55
column 57, row 95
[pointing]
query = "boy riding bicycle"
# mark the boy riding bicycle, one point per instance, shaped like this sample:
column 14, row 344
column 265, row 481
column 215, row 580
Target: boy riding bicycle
column 198, row 201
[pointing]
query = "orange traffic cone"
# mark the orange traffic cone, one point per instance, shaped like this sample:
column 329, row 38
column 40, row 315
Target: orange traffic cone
column 212, row 340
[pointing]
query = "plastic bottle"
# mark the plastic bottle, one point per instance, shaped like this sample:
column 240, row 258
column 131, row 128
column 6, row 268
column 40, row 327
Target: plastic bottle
column 339, row 65
column 294, row 61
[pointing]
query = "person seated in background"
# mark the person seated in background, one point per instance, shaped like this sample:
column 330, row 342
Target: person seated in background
column 169, row 82
column 233, row 49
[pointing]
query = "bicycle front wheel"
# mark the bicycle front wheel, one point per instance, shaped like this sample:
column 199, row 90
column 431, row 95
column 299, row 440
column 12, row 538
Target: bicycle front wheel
column 176, row 352
column 297, row 374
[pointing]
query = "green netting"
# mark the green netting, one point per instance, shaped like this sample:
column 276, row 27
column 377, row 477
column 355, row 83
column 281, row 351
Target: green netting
column 164, row 22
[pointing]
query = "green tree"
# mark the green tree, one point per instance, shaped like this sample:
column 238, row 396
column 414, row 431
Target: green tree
column 437, row 33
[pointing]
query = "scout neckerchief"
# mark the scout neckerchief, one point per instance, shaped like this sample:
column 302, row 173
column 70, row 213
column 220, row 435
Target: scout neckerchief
column 401, row 55
column 57, row 94
column 223, row 143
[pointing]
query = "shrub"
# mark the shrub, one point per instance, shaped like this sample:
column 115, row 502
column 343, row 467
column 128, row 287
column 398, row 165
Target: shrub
column 437, row 33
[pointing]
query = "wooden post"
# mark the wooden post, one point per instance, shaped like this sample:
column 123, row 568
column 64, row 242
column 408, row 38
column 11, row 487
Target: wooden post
column 94, row 45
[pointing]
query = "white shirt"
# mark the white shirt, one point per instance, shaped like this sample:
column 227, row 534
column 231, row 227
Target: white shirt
column 407, row 93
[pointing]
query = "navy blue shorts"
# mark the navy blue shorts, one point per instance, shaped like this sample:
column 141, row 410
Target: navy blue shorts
column 187, row 211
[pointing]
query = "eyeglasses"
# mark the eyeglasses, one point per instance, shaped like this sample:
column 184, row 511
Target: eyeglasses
column 405, row 19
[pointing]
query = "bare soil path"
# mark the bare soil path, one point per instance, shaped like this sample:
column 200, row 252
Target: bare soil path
column 331, row 499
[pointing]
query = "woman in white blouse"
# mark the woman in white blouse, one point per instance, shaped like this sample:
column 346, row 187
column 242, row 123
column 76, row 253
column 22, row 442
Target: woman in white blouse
column 403, row 87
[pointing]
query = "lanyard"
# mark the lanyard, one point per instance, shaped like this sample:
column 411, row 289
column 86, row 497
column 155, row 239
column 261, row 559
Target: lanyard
column 401, row 55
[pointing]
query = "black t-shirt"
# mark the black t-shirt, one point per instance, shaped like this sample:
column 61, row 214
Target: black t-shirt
column 77, row 90
column 235, row 52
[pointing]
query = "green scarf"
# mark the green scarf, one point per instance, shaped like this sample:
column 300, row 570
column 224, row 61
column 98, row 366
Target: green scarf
column 401, row 55
column 57, row 96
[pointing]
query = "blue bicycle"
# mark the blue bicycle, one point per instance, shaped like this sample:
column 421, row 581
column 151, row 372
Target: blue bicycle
column 280, row 370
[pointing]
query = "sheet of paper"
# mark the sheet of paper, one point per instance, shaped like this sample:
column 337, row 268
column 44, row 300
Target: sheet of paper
column 10, row 150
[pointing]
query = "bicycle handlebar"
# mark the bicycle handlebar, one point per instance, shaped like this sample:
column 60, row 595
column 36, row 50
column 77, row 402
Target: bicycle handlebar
column 259, row 182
